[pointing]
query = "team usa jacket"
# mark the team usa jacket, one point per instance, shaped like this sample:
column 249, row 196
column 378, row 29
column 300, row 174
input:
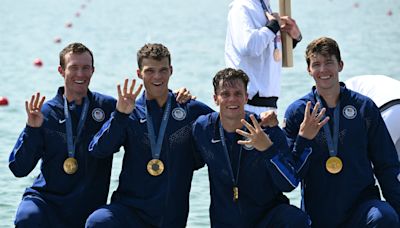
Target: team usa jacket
column 72, row 196
column 262, row 175
column 365, row 148
column 163, row 200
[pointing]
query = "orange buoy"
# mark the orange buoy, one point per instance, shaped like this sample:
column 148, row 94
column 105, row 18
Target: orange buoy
column 68, row 24
column 3, row 101
column 37, row 62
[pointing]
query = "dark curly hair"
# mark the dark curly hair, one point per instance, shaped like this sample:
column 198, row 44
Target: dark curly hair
column 229, row 76
column 153, row 51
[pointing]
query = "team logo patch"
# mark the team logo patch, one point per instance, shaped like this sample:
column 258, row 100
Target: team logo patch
column 350, row 112
column 179, row 113
column 98, row 114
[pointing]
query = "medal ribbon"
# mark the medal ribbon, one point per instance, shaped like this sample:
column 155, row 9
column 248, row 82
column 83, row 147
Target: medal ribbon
column 68, row 125
column 156, row 146
column 234, row 179
column 332, row 140
column 267, row 9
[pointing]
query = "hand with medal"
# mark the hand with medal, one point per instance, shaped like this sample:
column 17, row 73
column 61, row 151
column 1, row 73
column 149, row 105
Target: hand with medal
column 312, row 123
column 269, row 119
column 33, row 109
column 256, row 138
column 183, row 95
column 127, row 98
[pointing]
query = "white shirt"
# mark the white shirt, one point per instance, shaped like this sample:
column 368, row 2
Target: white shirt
column 249, row 46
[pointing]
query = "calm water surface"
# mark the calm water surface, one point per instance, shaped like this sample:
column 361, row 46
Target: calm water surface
column 194, row 31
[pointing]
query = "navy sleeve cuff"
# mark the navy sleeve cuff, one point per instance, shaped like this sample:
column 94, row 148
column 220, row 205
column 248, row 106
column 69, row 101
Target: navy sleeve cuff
column 32, row 130
column 120, row 117
column 301, row 143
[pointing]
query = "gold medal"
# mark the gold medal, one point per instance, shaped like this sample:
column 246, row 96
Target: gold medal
column 155, row 167
column 277, row 55
column 235, row 194
column 334, row 165
column 70, row 165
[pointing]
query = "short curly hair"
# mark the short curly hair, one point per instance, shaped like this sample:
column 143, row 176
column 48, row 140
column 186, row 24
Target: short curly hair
column 153, row 51
column 228, row 76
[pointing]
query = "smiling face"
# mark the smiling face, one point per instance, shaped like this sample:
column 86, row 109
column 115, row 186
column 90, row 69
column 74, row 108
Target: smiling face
column 77, row 72
column 231, row 96
column 155, row 75
column 324, row 63
column 325, row 71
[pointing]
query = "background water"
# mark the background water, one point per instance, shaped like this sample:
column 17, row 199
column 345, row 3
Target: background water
column 194, row 31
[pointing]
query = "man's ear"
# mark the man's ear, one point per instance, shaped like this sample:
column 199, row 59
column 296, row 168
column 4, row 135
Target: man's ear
column 138, row 73
column 341, row 64
column 60, row 70
column 216, row 99
column 309, row 71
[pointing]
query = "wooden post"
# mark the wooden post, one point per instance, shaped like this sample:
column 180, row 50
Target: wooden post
column 287, row 41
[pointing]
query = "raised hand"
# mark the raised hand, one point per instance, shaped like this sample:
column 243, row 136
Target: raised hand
column 269, row 119
column 127, row 98
column 256, row 137
column 312, row 123
column 183, row 95
column 33, row 109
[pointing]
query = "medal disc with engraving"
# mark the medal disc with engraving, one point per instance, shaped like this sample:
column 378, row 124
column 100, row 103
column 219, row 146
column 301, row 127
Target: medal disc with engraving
column 235, row 194
column 334, row 165
column 277, row 54
column 155, row 167
column 70, row 165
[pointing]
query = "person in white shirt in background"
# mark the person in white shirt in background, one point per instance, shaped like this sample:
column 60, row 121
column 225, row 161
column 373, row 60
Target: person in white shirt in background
column 253, row 44
column 385, row 92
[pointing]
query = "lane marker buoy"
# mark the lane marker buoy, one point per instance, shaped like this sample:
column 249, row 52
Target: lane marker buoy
column 38, row 62
column 57, row 40
column 3, row 101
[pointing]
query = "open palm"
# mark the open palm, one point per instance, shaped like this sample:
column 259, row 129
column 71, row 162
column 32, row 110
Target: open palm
column 127, row 98
column 33, row 110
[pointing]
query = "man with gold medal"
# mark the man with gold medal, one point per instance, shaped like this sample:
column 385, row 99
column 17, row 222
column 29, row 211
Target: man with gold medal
column 339, row 186
column 159, row 158
column 71, row 183
column 249, row 169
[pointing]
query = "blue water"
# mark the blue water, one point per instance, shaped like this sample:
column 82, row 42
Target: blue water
column 194, row 31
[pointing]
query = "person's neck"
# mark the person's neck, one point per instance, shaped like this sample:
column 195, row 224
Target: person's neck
column 77, row 99
column 230, row 125
column 161, row 100
column 331, row 97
